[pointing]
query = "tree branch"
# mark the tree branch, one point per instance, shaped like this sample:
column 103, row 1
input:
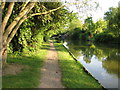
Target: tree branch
column 6, row 18
column 3, row 4
column 16, row 20
column 15, row 29
column 35, row 14
column 25, row 5
column 46, row 11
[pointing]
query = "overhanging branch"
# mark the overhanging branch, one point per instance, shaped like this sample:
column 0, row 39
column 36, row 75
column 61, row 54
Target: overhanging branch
column 35, row 14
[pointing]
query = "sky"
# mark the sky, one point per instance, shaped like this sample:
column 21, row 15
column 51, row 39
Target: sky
column 104, row 6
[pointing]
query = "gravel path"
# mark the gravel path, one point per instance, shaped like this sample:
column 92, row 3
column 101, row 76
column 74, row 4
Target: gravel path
column 51, row 75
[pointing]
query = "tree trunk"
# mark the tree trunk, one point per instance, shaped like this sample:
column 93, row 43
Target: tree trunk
column 4, row 54
column 1, row 38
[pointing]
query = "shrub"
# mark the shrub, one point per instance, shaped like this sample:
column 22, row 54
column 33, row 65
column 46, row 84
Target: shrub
column 104, row 37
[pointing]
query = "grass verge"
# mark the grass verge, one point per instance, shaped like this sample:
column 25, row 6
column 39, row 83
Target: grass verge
column 29, row 77
column 73, row 74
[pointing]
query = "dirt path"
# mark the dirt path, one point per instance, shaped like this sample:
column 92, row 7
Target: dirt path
column 51, row 75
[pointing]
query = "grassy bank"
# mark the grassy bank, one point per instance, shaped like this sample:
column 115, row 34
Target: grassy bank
column 30, row 75
column 73, row 74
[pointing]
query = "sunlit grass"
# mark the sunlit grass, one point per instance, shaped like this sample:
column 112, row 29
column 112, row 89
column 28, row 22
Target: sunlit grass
column 29, row 77
column 73, row 74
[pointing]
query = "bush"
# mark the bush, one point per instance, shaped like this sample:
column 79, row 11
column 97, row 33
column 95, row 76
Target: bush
column 84, row 36
column 104, row 37
column 117, row 39
column 75, row 34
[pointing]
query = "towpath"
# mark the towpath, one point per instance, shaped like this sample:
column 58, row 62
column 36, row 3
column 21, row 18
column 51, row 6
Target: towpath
column 51, row 74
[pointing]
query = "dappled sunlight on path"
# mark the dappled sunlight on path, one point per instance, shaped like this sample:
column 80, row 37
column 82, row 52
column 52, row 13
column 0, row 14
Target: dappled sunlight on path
column 51, row 75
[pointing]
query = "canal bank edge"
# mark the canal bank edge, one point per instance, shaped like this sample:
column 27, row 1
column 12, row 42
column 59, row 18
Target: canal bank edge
column 83, row 66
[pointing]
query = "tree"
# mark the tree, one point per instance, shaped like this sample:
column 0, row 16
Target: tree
column 8, row 31
column 112, row 17
column 100, row 26
column 39, row 28
column 76, row 23
column 90, row 26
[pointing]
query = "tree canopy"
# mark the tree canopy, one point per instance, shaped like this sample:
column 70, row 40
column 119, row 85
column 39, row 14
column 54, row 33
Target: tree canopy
column 112, row 17
column 27, row 24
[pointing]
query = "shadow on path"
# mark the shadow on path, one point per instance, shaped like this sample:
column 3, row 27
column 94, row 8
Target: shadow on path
column 51, row 74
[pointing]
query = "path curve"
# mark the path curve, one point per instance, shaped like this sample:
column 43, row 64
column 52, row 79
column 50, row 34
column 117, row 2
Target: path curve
column 51, row 74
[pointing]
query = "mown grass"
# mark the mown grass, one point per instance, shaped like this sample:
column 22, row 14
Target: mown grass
column 29, row 77
column 73, row 74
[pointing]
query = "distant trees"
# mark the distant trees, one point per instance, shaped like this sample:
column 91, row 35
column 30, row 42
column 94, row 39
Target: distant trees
column 107, row 30
column 87, row 29
column 113, row 19
column 100, row 26
column 90, row 26
column 111, row 32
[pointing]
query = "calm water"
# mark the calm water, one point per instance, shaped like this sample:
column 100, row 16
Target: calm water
column 100, row 60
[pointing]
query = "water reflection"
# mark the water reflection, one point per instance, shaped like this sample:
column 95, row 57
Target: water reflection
column 111, row 67
column 100, row 60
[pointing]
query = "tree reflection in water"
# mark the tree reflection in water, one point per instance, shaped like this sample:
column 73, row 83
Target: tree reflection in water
column 108, row 55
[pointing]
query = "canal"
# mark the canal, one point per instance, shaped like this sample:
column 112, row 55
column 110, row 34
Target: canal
column 101, row 60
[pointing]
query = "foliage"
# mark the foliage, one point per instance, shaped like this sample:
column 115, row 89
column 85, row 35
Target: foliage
column 89, row 25
column 100, row 26
column 80, row 31
column 35, row 30
column 107, row 38
column 104, row 37
column 75, row 23
column 75, row 34
column 102, row 31
column 111, row 33
column 74, row 28
column 112, row 17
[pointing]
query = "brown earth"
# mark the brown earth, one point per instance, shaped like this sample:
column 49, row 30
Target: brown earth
column 12, row 69
column 51, row 74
